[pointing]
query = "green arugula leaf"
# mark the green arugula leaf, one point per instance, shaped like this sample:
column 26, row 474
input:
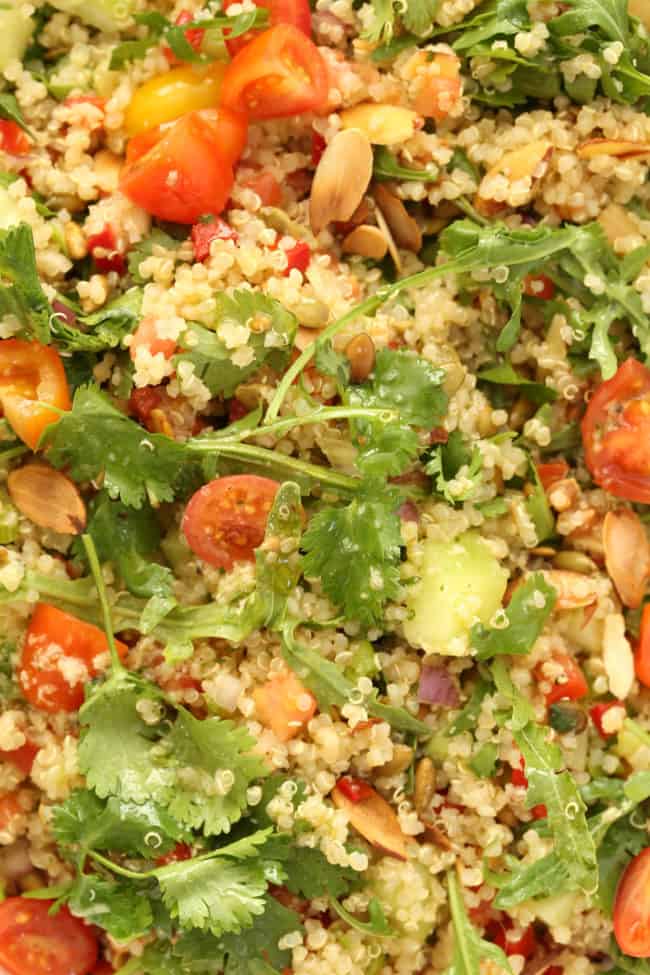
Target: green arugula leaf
column 524, row 619
column 377, row 926
column 386, row 166
column 10, row 110
column 610, row 15
column 119, row 908
column 505, row 375
column 484, row 761
column 469, row 947
column 468, row 716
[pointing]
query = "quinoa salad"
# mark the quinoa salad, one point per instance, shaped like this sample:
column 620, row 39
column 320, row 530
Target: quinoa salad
column 324, row 487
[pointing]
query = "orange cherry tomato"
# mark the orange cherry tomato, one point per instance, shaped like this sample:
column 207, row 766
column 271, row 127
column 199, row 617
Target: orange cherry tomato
column 642, row 654
column 279, row 74
column 284, row 705
column 146, row 337
column 33, row 942
column 570, row 684
column 294, row 12
column 187, row 173
column 22, row 758
column 225, row 520
column 632, row 907
column 59, row 655
column 441, row 86
column 32, row 378
column 616, row 433
column 13, row 140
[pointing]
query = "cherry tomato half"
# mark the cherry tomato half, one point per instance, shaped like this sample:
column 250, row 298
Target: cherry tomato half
column 632, row 907
column 279, row 74
column 225, row 520
column 59, row 655
column 294, row 12
column 642, row 654
column 13, row 140
column 33, row 942
column 187, row 173
column 31, row 378
column 616, row 433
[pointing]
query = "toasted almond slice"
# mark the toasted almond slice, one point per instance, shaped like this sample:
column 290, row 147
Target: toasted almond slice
column 392, row 246
column 617, row 223
column 48, row 498
column 640, row 9
column 573, row 588
column 341, row 179
column 618, row 658
column 621, row 148
column 367, row 241
column 528, row 162
column 627, row 555
column 305, row 337
column 384, row 125
column 403, row 227
column 375, row 820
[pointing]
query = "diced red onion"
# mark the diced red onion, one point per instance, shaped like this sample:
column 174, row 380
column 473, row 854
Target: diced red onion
column 65, row 312
column 437, row 687
column 408, row 512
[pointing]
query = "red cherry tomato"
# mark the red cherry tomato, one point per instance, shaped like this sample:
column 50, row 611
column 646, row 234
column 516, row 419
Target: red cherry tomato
column 103, row 249
column 642, row 654
column 103, row 968
column 598, row 712
column 59, row 655
column 294, row 12
column 632, row 907
column 539, row 286
column 570, row 684
column 299, row 257
column 356, row 790
column 13, row 140
column 279, row 74
column 193, row 35
column 616, row 433
column 225, row 520
column 187, row 173
column 30, row 371
column 33, row 942
column 22, row 758
column 204, row 233
column 552, row 471
column 146, row 337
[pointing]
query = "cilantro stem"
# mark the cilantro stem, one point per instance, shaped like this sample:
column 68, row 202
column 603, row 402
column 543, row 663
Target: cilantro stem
column 367, row 307
column 322, row 415
column 96, row 570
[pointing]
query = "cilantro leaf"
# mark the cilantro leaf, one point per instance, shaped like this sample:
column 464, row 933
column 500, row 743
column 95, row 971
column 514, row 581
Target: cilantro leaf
column 259, row 946
column 469, row 947
column 308, row 872
column 354, row 550
column 386, row 166
column 257, row 324
column 416, row 15
column 450, row 460
column 119, row 908
column 145, row 248
column 278, row 566
column 525, row 616
column 103, row 329
column 21, row 293
column 94, row 438
column 216, row 895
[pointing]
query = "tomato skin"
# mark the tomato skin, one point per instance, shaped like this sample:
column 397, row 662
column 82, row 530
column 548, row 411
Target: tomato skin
column 642, row 652
column 571, row 685
column 225, row 520
column 539, row 286
column 632, row 907
column 294, row 12
column 98, row 244
column 298, row 257
column 56, row 639
column 598, row 712
column 30, row 371
column 616, row 433
column 33, row 942
column 356, row 790
column 204, row 233
column 188, row 172
column 13, row 140
column 279, row 74
column 193, row 35
column 22, row 758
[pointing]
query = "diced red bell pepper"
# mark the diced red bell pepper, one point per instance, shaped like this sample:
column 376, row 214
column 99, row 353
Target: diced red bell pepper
column 356, row 790
column 569, row 685
column 22, row 758
column 597, row 713
column 13, row 140
column 497, row 932
column 539, row 286
column 236, row 410
column 204, row 233
column 194, row 36
column 298, row 257
column 111, row 259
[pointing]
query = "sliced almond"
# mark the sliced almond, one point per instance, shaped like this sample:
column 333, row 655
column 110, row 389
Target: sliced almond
column 48, row 498
column 375, row 820
column 618, row 658
column 621, row 148
column 392, row 246
column 627, row 555
column 617, row 223
column 640, row 9
column 305, row 337
column 528, row 163
column 573, row 588
column 366, row 241
column 383, row 125
column 341, row 178
column 403, row 227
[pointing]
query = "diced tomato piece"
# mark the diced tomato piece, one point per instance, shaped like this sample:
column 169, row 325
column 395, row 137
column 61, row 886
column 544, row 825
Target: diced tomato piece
column 35, row 942
column 356, row 790
column 440, row 87
column 59, row 655
column 22, row 758
column 498, row 932
column 10, row 807
column 193, row 35
column 318, row 146
column 103, row 249
column 552, row 471
column 518, row 775
column 598, row 712
column 642, row 654
column 162, row 413
column 32, row 379
column 539, row 812
column 298, row 257
column 632, row 907
column 146, row 337
column 204, row 233
column 294, row 12
column 13, row 140
column 284, row 705
column 182, row 851
column 570, row 684
column 267, row 188
column 539, row 286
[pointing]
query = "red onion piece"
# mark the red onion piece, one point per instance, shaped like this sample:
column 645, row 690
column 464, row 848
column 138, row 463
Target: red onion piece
column 65, row 312
column 437, row 687
column 408, row 512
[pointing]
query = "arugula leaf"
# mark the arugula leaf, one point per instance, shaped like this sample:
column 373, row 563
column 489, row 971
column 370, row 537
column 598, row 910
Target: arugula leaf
column 145, row 247
column 10, row 110
column 416, row 16
column 525, row 617
column 468, row 716
column 505, row 375
column 262, row 327
column 21, row 293
column 119, row 908
column 469, row 947
column 355, row 550
column 386, row 166
column 484, row 761
column 94, row 438
column 377, row 926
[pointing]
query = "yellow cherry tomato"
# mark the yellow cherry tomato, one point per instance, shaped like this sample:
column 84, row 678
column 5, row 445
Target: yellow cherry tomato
column 175, row 93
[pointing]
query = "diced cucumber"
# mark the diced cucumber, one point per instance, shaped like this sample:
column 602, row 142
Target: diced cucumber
column 554, row 911
column 108, row 15
column 8, row 520
column 631, row 738
column 15, row 33
column 363, row 662
column 461, row 582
